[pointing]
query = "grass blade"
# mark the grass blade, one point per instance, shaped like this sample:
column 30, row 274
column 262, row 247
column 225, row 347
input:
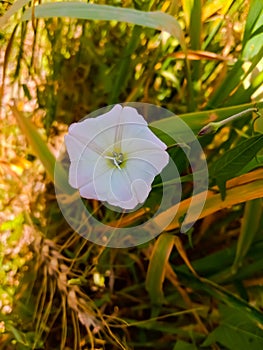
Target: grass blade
column 12, row 10
column 195, row 30
column 156, row 270
column 72, row 9
column 249, row 228
column 240, row 190
column 122, row 75
column 234, row 160
column 255, row 11
column 42, row 151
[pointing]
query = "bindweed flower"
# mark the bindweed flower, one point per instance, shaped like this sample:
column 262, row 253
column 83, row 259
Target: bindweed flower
column 115, row 157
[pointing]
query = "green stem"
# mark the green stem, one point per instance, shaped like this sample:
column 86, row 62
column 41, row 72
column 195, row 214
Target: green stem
column 214, row 126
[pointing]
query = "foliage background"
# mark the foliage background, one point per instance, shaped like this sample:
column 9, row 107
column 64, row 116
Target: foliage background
column 177, row 292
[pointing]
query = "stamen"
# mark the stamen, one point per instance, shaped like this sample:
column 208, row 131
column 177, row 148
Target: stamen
column 117, row 159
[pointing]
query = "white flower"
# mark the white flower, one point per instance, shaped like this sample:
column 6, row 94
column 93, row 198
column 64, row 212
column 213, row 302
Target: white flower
column 115, row 157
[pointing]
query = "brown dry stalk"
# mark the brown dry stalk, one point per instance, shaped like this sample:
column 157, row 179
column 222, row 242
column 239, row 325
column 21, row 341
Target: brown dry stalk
column 240, row 189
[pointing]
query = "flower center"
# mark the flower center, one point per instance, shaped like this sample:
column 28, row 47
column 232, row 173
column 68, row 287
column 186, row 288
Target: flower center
column 116, row 158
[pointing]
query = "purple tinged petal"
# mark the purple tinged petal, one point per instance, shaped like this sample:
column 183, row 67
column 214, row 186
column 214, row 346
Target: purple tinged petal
column 142, row 133
column 98, row 132
column 157, row 159
column 146, row 151
column 97, row 177
column 125, row 192
column 95, row 182
column 141, row 189
column 74, row 147
column 120, row 186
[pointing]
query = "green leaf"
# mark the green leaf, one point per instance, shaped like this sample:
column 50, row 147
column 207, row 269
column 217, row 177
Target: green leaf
column 255, row 13
column 220, row 293
column 195, row 32
column 227, row 92
column 249, row 228
column 156, row 271
column 236, row 331
column 73, row 9
column 228, row 85
column 253, row 47
column 54, row 169
column 36, row 141
column 122, row 68
column 182, row 345
column 234, row 160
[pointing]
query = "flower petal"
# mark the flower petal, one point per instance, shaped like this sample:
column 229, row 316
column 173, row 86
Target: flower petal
column 141, row 190
column 146, row 151
column 156, row 158
column 82, row 159
column 141, row 175
column 97, row 181
column 98, row 133
column 135, row 126
column 74, row 147
column 120, row 186
column 92, row 142
column 125, row 192
column 144, row 140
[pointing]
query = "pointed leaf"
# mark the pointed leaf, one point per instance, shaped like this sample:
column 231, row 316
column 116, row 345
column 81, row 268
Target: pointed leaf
column 42, row 151
column 236, row 331
column 249, row 228
column 234, row 160
column 156, row 271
